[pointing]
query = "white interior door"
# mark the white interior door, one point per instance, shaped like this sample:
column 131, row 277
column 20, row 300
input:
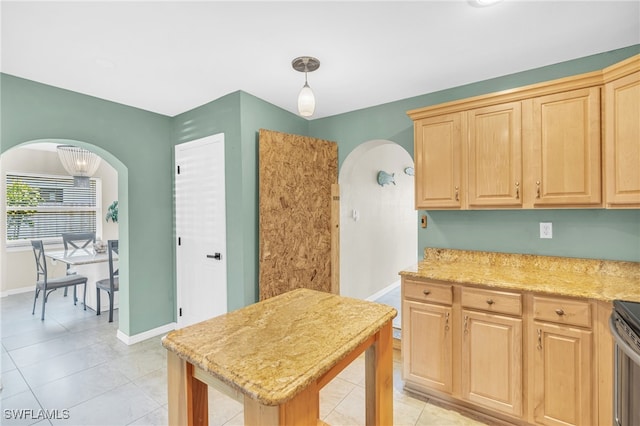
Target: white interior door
column 201, row 258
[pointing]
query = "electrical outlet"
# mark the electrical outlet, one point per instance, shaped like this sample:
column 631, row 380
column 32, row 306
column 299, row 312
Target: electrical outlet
column 546, row 230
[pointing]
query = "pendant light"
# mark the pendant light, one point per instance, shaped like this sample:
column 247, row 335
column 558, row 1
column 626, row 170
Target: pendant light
column 79, row 163
column 306, row 100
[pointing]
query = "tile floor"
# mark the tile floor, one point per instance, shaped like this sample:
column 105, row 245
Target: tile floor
column 73, row 367
column 392, row 298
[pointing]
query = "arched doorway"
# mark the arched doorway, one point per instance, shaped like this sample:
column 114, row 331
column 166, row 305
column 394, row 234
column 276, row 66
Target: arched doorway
column 378, row 232
column 40, row 156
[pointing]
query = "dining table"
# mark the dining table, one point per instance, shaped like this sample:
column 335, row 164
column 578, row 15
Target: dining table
column 81, row 256
column 90, row 263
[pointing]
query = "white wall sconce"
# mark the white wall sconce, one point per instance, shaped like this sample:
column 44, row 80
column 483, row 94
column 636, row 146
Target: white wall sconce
column 306, row 99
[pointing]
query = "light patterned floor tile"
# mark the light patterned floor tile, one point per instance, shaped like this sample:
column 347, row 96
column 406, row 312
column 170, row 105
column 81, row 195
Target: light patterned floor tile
column 74, row 361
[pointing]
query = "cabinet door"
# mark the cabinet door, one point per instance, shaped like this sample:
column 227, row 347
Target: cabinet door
column 495, row 156
column 492, row 361
column 427, row 345
column 622, row 141
column 437, row 149
column 562, row 375
column 565, row 149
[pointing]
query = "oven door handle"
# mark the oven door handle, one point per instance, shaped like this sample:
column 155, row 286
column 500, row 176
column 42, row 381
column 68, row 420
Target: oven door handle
column 624, row 346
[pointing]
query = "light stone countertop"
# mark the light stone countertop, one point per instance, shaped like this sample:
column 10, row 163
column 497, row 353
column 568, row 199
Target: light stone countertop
column 274, row 349
column 604, row 280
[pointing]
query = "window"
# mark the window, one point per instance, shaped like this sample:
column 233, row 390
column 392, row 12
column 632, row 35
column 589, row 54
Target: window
column 44, row 206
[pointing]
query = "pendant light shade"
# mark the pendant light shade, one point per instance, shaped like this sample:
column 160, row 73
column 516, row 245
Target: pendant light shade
column 306, row 99
column 79, row 163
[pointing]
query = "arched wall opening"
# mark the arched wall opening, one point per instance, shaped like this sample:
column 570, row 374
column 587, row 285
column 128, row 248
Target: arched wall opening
column 42, row 164
column 378, row 233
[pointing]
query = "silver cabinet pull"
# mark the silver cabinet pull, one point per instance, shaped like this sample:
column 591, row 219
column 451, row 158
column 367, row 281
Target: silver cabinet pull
column 457, row 194
column 466, row 322
column 517, row 190
column 490, row 302
column 560, row 312
column 539, row 339
column 426, row 292
column 446, row 321
column 538, row 189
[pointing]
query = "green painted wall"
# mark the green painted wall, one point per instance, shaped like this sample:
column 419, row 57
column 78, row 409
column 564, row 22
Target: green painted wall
column 137, row 144
column 577, row 233
column 239, row 116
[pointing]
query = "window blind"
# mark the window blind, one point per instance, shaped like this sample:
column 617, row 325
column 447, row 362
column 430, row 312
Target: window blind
column 42, row 207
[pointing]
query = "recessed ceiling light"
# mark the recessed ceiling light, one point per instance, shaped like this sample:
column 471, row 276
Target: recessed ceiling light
column 486, row 2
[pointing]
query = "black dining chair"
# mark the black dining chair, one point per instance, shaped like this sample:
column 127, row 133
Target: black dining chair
column 111, row 284
column 76, row 240
column 47, row 285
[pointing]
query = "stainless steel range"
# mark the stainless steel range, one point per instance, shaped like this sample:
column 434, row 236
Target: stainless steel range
column 625, row 326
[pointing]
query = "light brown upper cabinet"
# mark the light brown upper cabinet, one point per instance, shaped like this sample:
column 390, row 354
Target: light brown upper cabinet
column 495, row 156
column 622, row 141
column 567, row 143
column 438, row 159
column 564, row 149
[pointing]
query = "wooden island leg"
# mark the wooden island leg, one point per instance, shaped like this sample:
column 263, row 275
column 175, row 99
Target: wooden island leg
column 187, row 396
column 379, row 379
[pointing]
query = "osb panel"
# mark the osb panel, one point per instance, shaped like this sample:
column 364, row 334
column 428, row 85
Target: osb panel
column 296, row 175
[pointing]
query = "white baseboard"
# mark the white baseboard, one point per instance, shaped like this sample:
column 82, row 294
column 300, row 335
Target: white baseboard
column 384, row 291
column 18, row 290
column 136, row 338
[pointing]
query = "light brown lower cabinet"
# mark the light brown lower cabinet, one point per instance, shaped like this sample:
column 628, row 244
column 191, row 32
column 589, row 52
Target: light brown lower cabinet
column 492, row 361
column 515, row 357
column 429, row 358
column 426, row 321
column 562, row 383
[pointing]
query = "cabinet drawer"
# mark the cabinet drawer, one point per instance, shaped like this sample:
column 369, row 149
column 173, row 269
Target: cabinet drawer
column 492, row 301
column 428, row 292
column 563, row 311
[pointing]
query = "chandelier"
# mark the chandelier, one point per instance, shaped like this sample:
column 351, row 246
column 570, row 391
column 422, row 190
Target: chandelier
column 79, row 163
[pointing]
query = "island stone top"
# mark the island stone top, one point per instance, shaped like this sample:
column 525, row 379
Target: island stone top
column 272, row 350
column 604, row 280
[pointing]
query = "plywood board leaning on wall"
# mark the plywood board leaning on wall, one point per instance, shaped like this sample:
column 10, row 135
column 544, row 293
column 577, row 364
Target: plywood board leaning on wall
column 297, row 232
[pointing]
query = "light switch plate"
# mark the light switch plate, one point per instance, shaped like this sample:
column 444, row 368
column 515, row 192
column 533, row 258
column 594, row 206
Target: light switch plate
column 546, row 230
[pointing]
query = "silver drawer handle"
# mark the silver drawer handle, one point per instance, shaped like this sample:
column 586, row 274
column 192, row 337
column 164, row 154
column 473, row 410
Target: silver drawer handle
column 560, row 312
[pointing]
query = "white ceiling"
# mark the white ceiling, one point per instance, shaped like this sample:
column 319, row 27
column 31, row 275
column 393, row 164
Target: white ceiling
column 169, row 57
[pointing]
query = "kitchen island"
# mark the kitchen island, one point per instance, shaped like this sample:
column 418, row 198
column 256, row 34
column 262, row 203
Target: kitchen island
column 275, row 356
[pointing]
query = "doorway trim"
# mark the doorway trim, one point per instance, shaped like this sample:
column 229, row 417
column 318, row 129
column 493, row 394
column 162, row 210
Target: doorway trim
column 123, row 223
column 354, row 217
